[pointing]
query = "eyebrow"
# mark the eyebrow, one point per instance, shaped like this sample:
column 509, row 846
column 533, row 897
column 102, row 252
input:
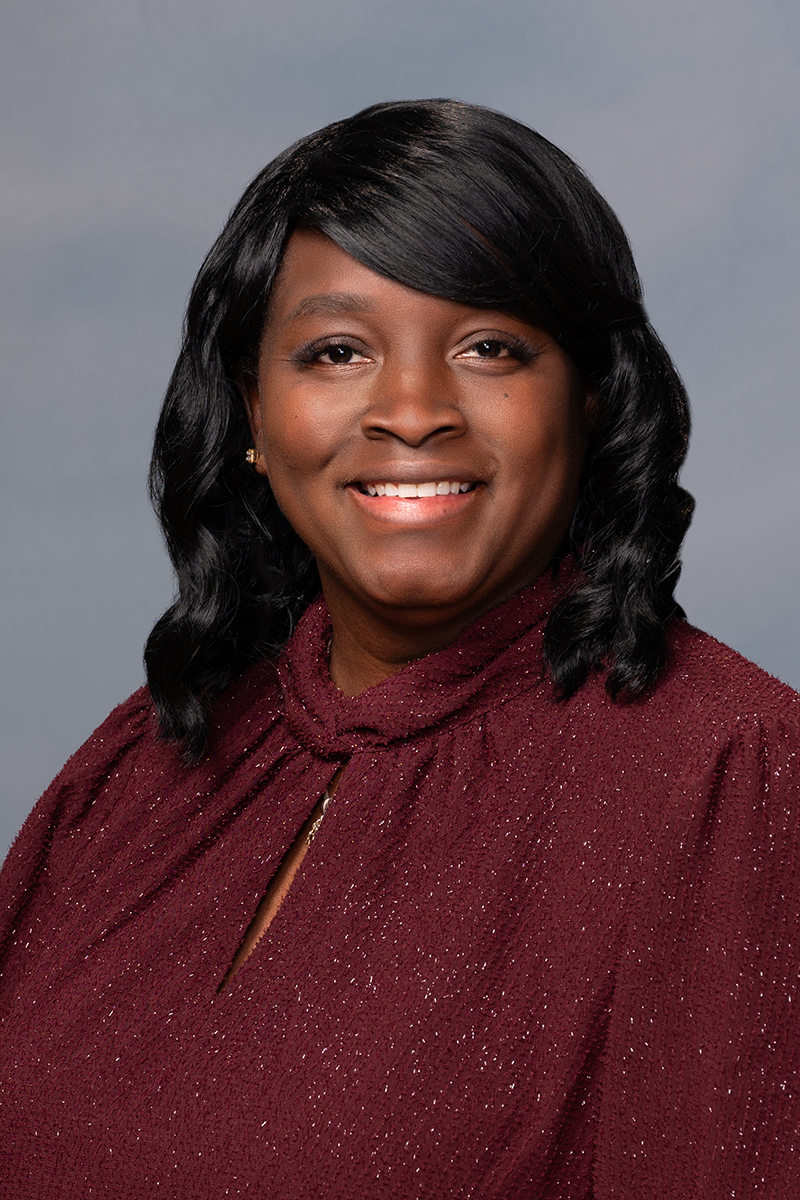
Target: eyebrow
column 330, row 304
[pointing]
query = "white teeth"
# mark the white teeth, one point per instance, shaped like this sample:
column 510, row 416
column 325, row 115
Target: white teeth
column 410, row 491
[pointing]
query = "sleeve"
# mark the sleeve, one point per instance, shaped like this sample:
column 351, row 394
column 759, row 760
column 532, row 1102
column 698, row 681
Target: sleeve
column 43, row 845
column 702, row 1070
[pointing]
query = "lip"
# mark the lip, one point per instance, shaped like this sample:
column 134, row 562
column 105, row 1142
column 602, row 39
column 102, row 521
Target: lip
column 401, row 488
column 415, row 512
column 411, row 472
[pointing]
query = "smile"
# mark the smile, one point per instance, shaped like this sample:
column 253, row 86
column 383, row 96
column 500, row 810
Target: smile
column 414, row 505
column 411, row 491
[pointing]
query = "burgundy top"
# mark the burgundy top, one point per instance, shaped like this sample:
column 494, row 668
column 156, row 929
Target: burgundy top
column 536, row 949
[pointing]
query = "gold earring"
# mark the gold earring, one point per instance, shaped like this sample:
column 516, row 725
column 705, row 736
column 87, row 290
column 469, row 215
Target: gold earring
column 251, row 456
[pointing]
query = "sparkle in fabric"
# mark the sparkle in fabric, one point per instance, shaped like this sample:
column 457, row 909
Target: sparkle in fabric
column 537, row 949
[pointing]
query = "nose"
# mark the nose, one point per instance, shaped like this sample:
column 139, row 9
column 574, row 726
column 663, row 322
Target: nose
column 414, row 404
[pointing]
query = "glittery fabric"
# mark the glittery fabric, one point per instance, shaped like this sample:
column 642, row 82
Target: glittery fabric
column 536, row 949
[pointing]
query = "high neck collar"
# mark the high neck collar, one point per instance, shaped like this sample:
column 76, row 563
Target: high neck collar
column 491, row 660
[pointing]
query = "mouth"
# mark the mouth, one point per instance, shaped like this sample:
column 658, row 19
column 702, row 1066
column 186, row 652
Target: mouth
column 415, row 505
column 413, row 491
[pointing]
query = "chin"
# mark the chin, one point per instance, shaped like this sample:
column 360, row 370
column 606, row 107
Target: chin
column 424, row 593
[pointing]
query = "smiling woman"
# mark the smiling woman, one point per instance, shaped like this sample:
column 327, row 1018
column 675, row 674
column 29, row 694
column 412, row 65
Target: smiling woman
column 387, row 389
column 441, row 856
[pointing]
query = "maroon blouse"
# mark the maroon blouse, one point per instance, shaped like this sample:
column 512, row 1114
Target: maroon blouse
column 536, row 949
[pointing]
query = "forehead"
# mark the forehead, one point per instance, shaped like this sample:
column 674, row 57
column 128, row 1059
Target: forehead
column 318, row 278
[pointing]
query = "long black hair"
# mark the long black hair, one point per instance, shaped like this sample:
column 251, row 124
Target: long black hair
column 461, row 202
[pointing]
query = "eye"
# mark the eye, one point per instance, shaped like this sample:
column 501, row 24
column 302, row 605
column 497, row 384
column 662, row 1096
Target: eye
column 486, row 348
column 506, row 347
column 337, row 354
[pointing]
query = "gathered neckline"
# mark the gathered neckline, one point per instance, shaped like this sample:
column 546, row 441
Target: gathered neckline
column 494, row 658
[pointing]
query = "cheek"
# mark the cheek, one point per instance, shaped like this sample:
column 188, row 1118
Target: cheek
column 299, row 442
column 545, row 445
column 297, row 437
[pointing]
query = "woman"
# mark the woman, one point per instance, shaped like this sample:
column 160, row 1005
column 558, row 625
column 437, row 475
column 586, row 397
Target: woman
column 485, row 884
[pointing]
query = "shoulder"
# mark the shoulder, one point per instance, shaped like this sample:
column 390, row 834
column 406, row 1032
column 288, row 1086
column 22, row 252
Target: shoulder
column 719, row 686
column 251, row 702
column 128, row 743
column 722, row 731
column 129, row 739
column 120, row 736
column 71, row 800
column 712, row 715
column 125, row 778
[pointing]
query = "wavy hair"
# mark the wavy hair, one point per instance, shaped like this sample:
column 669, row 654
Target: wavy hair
column 461, row 202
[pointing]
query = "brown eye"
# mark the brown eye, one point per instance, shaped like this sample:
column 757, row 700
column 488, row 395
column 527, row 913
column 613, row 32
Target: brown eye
column 486, row 348
column 337, row 354
column 507, row 347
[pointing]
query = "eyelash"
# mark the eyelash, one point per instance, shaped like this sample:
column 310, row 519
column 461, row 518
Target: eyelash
column 311, row 352
column 518, row 349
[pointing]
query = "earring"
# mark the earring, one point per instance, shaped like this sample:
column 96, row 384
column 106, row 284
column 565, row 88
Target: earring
column 251, row 456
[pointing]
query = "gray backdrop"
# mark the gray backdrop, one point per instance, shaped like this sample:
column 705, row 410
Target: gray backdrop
column 131, row 127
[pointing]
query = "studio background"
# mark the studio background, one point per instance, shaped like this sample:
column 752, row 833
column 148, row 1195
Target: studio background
column 130, row 128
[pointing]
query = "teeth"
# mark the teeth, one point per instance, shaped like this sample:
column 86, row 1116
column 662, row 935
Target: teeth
column 410, row 491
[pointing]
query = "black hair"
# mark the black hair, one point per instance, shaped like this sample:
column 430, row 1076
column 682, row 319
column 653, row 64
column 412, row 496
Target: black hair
column 457, row 201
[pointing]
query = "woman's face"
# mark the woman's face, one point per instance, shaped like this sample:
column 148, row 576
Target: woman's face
column 428, row 452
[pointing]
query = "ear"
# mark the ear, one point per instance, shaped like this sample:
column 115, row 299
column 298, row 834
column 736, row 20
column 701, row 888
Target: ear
column 591, row 403
column 247, row 384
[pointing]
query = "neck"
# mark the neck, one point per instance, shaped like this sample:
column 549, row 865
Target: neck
column 363, row 655
column 369, row 645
